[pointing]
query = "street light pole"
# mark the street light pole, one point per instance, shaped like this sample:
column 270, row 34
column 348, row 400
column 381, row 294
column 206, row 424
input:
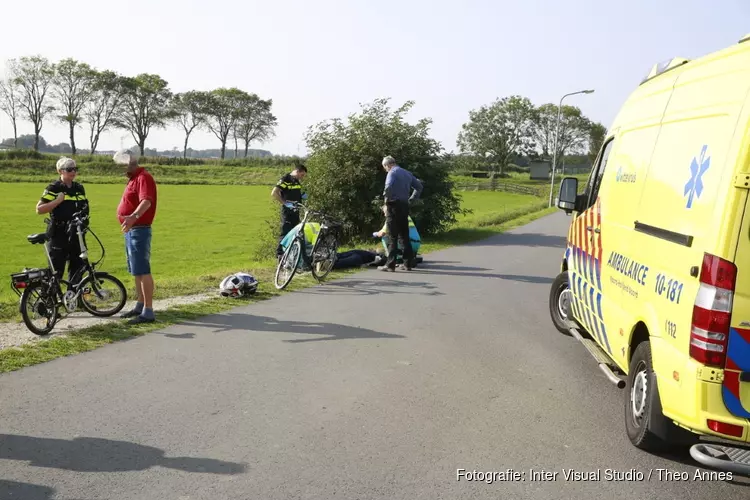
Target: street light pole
column 557, row 131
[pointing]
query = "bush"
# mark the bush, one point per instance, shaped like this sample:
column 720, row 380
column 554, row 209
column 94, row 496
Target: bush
column 21, row 154
column 346, row 178
column 267, row 238
column 515, row 168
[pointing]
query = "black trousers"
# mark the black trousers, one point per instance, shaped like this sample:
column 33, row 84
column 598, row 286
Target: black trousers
column 397, row 223
column 353, row 258
column 289, row 219
column 65, row 249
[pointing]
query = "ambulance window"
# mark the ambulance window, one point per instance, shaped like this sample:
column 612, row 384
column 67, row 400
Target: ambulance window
column 597, row 179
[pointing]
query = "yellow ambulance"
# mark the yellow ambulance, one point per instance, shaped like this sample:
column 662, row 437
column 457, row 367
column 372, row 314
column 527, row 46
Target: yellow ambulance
column 655, row 279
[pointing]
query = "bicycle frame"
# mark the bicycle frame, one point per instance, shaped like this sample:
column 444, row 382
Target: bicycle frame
column 300, row 236
column 309, row 260
column 77, row 278
column 54, row 283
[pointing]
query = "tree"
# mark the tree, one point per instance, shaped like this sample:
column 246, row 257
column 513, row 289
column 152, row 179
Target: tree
column 573, row 130
column 499, row 130
column 34, row 76
column 26, row 141
column 597, row 134
column 189, row 110
column 73, row 86
column 145, row 105
column 10, row 104
column 103, row 104
column 346, row 178
column 255, row 122
column 223, row 110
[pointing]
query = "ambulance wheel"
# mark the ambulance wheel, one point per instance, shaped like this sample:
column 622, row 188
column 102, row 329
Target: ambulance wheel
column 639, row 411
column 560, row 298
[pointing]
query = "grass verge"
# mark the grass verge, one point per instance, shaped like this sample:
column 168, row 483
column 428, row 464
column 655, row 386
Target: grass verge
column 88, row 339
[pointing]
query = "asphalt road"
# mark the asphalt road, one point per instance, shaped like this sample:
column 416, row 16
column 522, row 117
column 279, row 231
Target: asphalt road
column 377, row 386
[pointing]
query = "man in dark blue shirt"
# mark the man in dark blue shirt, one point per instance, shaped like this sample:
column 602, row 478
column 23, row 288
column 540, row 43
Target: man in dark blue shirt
column 398, row 194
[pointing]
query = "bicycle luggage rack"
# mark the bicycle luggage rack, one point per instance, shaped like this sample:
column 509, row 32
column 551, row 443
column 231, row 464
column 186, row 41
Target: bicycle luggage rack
column 26, row 277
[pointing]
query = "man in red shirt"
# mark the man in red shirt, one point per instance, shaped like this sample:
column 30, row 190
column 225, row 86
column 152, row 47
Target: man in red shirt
column 136, row 213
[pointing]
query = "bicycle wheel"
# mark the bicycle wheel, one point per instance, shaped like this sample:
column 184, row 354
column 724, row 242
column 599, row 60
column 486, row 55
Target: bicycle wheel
column 103, row 296
column 324, row 256
column 37, row 304
column 288, row 265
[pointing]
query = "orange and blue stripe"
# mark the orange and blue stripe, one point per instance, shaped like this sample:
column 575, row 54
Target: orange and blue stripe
column 738, row 361
column 584, row 272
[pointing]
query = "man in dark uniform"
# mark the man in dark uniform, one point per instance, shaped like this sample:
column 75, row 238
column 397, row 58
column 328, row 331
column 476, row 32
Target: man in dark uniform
column 287, row 190
column 61, row 199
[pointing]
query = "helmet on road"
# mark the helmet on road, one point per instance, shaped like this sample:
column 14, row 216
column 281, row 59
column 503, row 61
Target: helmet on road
column 238, row 285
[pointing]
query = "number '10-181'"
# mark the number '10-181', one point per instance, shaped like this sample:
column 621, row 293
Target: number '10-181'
column 672, row 288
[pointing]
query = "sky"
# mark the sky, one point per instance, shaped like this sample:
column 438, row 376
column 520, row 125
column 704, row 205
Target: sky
column 321, row 59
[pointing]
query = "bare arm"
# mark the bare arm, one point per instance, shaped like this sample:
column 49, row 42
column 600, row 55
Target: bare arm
column 142, row 207
column 276, row 195
column 45, row 208
column 129, row 221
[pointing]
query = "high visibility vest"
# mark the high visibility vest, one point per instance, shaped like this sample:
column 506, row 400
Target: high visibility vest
column 312, row 230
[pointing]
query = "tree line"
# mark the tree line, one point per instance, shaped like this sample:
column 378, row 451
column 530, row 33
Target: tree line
column 513, row 126
column 75, row 93
column 26, row 142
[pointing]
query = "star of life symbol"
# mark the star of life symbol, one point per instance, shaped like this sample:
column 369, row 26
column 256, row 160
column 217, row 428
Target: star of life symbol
column 698, row 167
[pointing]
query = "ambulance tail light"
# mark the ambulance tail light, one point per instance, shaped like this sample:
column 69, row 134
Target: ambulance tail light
column 712, row 312
column 724, row 428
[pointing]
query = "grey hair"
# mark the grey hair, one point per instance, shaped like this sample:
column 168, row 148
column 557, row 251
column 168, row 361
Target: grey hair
column 65, row 162
column 389, row 160
column 126, row 157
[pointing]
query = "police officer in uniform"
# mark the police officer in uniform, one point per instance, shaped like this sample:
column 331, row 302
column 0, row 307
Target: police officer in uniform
column 289, row 189
column 61, row 199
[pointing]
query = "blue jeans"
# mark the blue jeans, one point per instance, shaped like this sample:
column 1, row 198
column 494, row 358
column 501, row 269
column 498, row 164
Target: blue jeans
column 138, row 250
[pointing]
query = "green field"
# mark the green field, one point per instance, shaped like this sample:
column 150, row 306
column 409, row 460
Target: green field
column 201, row 232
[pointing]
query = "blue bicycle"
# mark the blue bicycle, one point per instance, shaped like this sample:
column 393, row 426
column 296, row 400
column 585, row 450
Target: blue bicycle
column 320, row 260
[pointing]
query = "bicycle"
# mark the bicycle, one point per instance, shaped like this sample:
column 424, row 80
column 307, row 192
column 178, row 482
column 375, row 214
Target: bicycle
column 43, row 297
column 321, row 258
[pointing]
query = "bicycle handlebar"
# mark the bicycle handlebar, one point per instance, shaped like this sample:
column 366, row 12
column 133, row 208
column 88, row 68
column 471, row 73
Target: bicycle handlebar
column 78, row 219
column 296, row 205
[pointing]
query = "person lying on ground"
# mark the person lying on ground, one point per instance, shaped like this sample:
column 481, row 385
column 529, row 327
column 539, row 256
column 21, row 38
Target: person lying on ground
column 344, row 260
column 358, row 258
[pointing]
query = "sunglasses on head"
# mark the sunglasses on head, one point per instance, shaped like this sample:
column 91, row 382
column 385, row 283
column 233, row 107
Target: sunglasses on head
column 70, row 169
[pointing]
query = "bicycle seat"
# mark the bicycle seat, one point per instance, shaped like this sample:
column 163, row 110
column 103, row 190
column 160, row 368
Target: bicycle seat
column 37, row 238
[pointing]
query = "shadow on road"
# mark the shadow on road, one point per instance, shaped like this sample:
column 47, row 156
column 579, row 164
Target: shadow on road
column 84, row 454
column 249, row 322
column 373, row 287
column 523, row 240
column 477, row 272
column 180, row 335
column 442, row 266
column 24, row 491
